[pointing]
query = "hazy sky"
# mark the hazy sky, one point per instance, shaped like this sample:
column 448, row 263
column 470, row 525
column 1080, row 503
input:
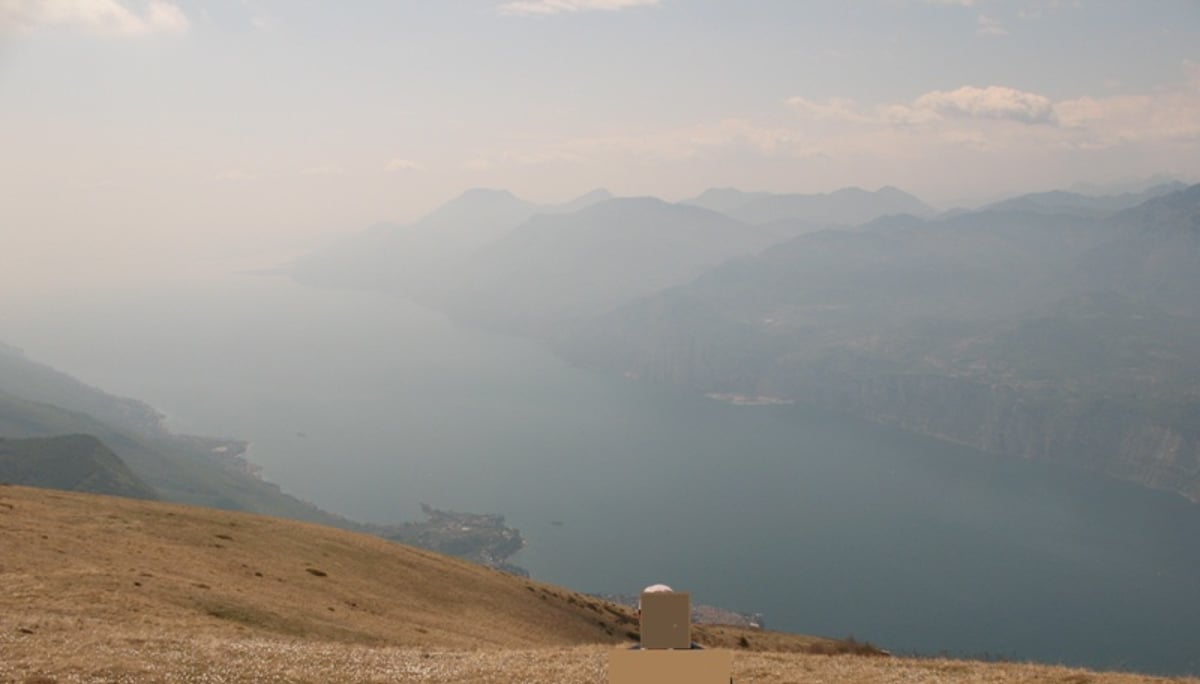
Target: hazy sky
column 136, row 131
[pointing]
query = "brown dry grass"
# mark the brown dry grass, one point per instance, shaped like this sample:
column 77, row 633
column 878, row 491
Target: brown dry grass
column 97, row 589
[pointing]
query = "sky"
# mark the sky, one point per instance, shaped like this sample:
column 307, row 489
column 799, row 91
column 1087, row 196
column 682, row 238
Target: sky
column 140, row 136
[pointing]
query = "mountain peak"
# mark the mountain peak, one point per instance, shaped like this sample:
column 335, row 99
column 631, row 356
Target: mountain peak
column 645, row 204
column 474, row 218
column 585, row 200
column 723, row 199
column 595, row 195
column 892, row 191
column 850, row 190
column 479, row 196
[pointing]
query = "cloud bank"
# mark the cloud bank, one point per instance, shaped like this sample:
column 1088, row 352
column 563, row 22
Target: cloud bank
column 105, row 17
column 996, row 134
column 996, row 103
column 992, row 102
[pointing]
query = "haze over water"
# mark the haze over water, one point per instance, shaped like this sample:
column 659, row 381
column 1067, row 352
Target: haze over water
column 367, row 405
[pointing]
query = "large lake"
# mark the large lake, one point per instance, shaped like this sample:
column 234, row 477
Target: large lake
column 367, row 405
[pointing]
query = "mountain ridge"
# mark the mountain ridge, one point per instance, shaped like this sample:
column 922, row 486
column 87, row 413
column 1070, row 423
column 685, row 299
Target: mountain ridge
column 184, row 468
column 1082, row 204
column 556, row 269
column 845, row 206
column 863, row 322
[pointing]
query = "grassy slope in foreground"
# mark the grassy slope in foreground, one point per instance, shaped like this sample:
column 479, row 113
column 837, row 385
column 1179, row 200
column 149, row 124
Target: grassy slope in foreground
column 108, row 589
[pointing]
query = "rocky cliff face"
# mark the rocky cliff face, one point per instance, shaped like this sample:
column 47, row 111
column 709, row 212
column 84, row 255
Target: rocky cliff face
column 1101, row 435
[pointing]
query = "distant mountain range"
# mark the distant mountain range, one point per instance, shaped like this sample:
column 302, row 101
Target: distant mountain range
column 408, row 256
column 1155, row 257
column 555, row 270
column 1055, row 325
column 493, row 258
column 1060, row 202
column 848, row 206
column 1046, row 336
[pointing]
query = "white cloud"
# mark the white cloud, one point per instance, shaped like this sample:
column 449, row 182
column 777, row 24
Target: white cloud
column 164, row 17
column 906, row 116
column 548, row 7
column 967, row 102
column 989, row 26
column 1011, row 127
column 833, row 109
column 1131, row 119
column 1012, row 137
column 992, row 102
column 403, row 165
column 107, row 17
column 264, row 22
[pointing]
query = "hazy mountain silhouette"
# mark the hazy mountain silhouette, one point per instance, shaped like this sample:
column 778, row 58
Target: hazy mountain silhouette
column 1124, row 186
column 1155, row 256
column 582, row 202
column 969, row 327
column 1077, row 204
column 556, row 269
column 40, row 383
column 37, row 401
column 408, row 257
column 417, row 258
column 472, row 219
column 848, row 206
column 1048, row 336
column 724, row 200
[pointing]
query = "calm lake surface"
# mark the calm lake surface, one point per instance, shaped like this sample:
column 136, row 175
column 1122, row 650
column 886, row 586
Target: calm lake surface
column 367, row 405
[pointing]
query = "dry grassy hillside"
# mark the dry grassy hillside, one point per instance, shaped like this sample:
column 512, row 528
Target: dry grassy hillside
column 100, row 589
